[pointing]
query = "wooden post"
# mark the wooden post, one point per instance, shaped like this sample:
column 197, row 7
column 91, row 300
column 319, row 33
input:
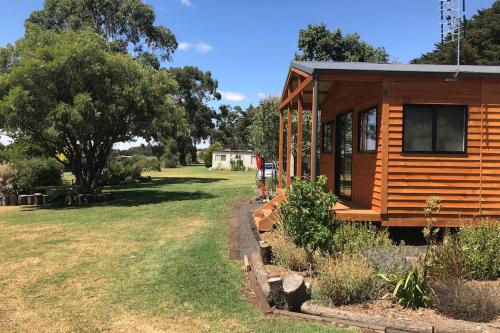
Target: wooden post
column 384, row 132
column 299, row 137
column 280, row 152
column 314, row 130
column 289, row 148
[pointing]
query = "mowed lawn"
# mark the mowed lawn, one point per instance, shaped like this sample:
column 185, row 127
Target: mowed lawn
column 153, row 260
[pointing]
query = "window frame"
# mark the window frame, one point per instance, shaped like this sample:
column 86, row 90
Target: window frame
column 434, row 109
column 225, row 157
column 330, row 123
column 376, row 130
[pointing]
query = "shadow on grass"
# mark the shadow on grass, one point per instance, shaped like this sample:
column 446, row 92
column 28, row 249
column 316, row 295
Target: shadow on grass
column 162, row 181
column 147, row 197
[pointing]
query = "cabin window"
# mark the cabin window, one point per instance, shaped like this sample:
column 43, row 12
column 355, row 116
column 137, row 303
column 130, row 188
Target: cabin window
column 327, row 138
column 434, row 129
column 222, row 157
column 237, row 157
column 367, row 131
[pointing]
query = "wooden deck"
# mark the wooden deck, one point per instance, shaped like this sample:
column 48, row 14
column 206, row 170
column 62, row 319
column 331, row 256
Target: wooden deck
column 348, row 211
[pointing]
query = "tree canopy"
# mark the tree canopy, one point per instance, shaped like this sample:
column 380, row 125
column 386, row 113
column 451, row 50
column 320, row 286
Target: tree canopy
column 122, row 22
column 480, row 44
column 71, row 93
column 264, row 131
column 317, row 43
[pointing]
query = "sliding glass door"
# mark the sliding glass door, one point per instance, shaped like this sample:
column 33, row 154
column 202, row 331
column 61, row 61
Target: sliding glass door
column 343, row 155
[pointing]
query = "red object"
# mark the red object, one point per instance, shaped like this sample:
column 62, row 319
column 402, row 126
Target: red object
column 259, row 161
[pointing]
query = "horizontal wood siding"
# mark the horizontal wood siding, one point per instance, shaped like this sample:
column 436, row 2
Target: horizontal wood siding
column 469, row 184
column 366, row 176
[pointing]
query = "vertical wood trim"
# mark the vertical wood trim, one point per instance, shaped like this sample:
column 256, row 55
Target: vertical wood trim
column 481, row 147
column 384, row 132
column 280, row 152
column 299, row 137
column 289, row 148
column 314, row 130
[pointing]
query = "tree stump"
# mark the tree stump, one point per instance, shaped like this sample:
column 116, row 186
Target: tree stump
column 276, row 294
column 22, row 200
column 295, row 291
column 266, row 252
column 45, row 199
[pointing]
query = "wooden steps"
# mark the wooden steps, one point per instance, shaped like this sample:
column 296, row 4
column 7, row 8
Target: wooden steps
column 266, row 215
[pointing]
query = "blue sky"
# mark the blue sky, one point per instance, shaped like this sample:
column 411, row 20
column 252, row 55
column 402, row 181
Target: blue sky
column 247, row 45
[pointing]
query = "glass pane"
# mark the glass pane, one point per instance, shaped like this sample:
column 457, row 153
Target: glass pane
column 450, row 129
column 344, row 155
column 327, row 138
column 418, row 128
column 368, row 130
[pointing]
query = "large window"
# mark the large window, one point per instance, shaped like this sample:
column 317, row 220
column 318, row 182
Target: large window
column 434, row 128
column 327, row 138
column 367, row 131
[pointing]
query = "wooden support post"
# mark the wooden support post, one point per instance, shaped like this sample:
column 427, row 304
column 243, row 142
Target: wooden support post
column 280, row 152
column 314, row 130
column 299, row 137
column 289, row 148
column 384, row 132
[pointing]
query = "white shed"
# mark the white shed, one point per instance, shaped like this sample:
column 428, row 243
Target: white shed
column 221, row 159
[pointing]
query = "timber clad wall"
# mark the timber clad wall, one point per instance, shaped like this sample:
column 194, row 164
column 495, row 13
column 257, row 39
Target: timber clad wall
column 467, row 183
column 354, row 96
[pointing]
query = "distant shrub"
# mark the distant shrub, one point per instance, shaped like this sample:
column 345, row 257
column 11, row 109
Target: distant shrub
column 286, row 253
column 344, row 280
column 390, row 260
column 117, row 172
column 481, row 246
column 447, row 262
column 467, row 300
column 189, row 159
column 143, row 162
column 307, row 215
column 352, row 237
column 237, row 165
column 37, row 171
column 8, row 184
column 207, row 156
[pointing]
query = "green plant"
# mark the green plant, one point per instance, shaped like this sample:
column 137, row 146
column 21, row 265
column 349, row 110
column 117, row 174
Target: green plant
column 481, row 248
column 8, row 183
column 467, row 300
column 447, row 262
column 352, row 237
column 390, row 260
column 344, row 280
column 307, row 215
column 207, row 156
column 411, row 290
column 237, row 165
column 37, row 171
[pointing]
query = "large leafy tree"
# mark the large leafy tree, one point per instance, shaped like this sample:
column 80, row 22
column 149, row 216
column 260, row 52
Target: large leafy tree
column 264, row 131
column 232, row 127
column 480, row 44
column 317, row 43
column 122, row 22
column 72, row 94
column 196, row 88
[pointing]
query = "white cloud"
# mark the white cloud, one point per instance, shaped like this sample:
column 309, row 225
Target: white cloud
column 186, row 3
column 198, row 47
column 233, row 96
column 262, row 95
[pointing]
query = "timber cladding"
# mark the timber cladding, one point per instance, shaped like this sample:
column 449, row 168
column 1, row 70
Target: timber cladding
column 468, row 183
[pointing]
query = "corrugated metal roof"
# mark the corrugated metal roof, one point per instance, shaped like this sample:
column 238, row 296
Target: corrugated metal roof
column 368, row 67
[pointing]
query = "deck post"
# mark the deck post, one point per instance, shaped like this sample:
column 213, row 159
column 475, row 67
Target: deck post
column 289, row 148
column 299, row 137
column 314, row 130
column 280, row 152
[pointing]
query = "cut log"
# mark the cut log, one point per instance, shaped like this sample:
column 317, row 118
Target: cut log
column 3, row 201
column 22, row 200
column 276, row 294
column 30, row 199
column 246, row 263
column 295, row 291
column 45, row 199
column 38, row 199
column 266, row 252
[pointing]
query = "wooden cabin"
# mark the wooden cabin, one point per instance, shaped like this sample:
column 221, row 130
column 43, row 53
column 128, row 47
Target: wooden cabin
column 388, row 136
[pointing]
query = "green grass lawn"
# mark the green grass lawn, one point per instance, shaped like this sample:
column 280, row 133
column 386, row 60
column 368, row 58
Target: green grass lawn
column 153, row 260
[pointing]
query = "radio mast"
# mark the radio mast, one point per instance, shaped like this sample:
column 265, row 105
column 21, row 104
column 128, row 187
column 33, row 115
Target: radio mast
column 452, row 23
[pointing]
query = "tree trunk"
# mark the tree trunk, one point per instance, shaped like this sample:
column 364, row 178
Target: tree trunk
column 276, row 294
column 295, row 291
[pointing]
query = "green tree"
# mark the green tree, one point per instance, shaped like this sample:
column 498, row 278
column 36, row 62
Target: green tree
column 207, row 155
column 123, row 22
column 480, row 43
column 264, row 131
column 317, row 43
column 70, row 93
column 196, row 88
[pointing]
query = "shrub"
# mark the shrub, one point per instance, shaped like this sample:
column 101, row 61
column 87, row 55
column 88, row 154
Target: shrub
column 237, row 165
column 352, row 237
column 389, row 260
column 286, row 253
column 481, row 250
column 447, row 262
column 207, row 156
column 307, row 216
column 8, row 184
column 344, row 280
column 117, row 172
column 464, row 300
column 37, row 171
column 411, row 290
